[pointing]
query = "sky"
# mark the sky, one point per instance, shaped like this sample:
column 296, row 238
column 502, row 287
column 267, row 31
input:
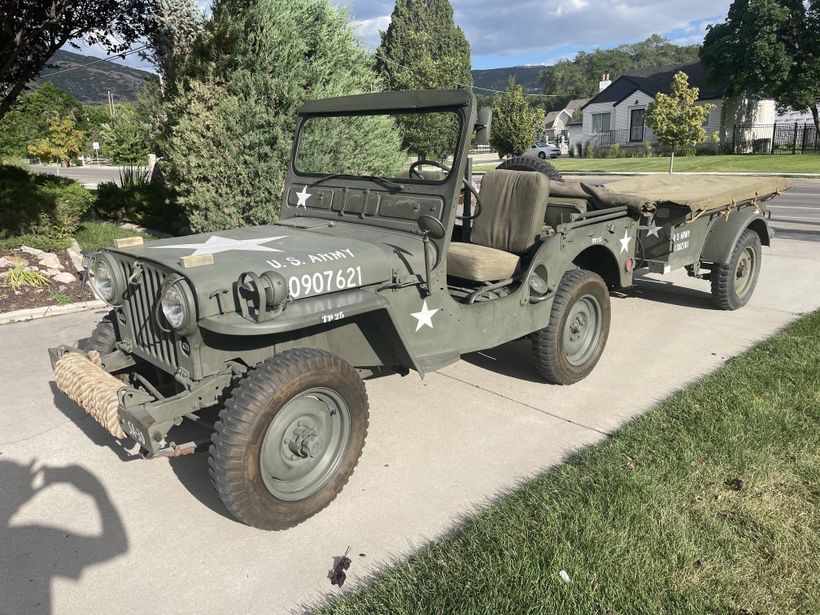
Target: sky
column 528, row 32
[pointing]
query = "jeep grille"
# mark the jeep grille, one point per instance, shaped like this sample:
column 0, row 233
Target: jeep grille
column 140, row 301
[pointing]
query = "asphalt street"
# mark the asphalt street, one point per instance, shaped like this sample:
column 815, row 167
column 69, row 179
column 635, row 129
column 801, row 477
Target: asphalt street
column 85, row 528
column 91, row 175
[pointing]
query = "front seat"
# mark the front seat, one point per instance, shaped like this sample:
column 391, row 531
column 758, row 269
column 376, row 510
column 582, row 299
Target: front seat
column 513, row 205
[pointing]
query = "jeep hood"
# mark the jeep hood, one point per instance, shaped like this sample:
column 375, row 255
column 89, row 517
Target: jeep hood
column 312, row 262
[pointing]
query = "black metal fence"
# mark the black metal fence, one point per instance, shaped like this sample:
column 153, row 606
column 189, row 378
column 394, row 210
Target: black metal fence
column 791, row 138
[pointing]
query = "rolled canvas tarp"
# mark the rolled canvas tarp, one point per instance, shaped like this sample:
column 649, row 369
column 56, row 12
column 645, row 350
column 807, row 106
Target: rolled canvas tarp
column 698, row 192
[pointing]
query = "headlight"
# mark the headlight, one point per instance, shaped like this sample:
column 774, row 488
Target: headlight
column 178, row 305
column 105, row 280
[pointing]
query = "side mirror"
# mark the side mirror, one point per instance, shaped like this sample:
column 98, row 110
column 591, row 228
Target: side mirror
column 482, row 126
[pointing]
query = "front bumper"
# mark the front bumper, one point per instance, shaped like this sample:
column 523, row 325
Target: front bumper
column 126, row 411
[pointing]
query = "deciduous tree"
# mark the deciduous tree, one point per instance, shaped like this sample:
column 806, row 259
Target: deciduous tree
column 514, row 122
column 32, row 30
column 63, row 144
column 769, row 48
column 675, row 118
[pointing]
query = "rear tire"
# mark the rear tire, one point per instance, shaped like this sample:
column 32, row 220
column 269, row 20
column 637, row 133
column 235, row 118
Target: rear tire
column 569, row 347
column 104, row 338
column 288, row 438
column 542, row 155
column 733, row 283
column 529, row 163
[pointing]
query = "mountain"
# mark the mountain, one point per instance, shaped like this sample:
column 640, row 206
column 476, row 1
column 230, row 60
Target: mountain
column 90, row 80
column 497, row 78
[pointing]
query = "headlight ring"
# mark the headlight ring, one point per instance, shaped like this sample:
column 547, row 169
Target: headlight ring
column 177, row 303
column 107, row 280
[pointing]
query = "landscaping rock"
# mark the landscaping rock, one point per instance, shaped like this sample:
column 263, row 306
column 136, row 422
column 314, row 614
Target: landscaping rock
column 49, row 261
column 64, row 278
column 75, row 254
column 52, row 272
column 7, row 262
column 32, row 251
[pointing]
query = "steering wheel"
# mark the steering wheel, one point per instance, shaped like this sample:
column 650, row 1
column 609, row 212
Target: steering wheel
column 467, row 185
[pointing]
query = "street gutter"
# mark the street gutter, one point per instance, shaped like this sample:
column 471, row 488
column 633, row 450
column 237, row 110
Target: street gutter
column 49, row 310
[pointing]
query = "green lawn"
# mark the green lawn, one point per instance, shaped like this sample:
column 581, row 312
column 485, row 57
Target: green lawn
column 95, row 235
column 809, row 163
column 710, row 503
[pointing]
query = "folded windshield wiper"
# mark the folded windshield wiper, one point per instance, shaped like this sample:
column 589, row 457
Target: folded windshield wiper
column 381, row 180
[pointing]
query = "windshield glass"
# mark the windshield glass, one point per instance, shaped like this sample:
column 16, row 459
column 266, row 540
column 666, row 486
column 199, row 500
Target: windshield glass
column 377, row 145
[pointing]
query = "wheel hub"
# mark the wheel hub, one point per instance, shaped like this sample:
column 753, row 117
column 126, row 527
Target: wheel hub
column 304, row 442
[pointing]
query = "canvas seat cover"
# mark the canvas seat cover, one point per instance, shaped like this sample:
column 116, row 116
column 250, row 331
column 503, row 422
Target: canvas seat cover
column 513, row 207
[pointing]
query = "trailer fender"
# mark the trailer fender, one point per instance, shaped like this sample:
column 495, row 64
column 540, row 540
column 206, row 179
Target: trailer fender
column 725, row 233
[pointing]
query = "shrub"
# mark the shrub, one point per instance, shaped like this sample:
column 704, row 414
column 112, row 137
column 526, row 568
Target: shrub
column 589, row 151
column 45, row 206
column 614, row 151
column 647, row 149
column 138, row 199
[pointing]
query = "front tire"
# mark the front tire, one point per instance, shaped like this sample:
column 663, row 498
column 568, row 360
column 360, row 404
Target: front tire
column 734, row 282
column 288, row 438
column 104, row 338
column 542, row 155
column 569, row 347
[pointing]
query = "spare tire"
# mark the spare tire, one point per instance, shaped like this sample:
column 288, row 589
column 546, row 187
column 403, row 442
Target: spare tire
column 528, row 163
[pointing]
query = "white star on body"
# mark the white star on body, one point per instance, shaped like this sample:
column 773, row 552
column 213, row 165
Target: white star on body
column 303, row 197
column 424, row 317
column 625, row 241
column 216, row 244
column 652, row 229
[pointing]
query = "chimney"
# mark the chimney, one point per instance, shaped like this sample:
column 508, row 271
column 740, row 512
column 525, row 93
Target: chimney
column 604, row 83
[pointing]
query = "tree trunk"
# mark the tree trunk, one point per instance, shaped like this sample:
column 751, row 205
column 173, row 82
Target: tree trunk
column 816, row 115
column 672, row 161
column 8, row 100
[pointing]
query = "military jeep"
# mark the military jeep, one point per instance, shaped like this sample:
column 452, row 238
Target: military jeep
column 375, row 266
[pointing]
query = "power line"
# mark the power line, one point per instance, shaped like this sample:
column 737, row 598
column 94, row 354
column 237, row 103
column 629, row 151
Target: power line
column 122, row 55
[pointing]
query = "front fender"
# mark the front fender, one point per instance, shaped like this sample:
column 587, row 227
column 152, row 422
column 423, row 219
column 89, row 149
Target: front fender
column 725, row 233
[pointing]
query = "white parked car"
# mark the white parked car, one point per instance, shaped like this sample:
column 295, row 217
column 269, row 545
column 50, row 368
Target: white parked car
column 543, row 151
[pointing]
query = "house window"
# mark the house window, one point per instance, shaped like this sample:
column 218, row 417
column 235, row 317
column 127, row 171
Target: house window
column 600, row 122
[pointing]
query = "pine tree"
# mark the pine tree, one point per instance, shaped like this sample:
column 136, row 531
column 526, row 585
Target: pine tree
column 231, row 125
column 424, row 49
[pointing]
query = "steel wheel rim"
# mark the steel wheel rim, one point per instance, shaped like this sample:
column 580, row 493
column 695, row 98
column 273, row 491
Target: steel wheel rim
column 582, row 330
column 744, row 272
column 319, row 412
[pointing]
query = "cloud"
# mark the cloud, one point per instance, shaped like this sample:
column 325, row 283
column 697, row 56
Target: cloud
column 369, row 29
column 519, row 27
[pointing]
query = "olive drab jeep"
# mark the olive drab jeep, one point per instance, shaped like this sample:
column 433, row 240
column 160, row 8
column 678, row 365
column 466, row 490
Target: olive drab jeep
column 378, row 265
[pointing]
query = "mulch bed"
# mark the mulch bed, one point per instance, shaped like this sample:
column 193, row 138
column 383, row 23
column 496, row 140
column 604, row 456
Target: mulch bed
column 28, row 297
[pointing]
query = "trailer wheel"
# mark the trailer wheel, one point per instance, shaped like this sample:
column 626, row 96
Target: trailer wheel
column 569, row 347
column 103, row 338
column 530, row 163
column 288, row 438
column 734, row 282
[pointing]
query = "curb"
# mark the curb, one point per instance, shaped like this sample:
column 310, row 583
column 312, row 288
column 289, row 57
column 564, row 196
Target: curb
column 727, row 174
column 49, row 310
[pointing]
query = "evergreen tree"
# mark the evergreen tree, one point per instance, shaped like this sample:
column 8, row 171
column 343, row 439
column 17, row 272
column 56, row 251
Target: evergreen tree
column 514, row 122
column 231, row 125
column 424, row 49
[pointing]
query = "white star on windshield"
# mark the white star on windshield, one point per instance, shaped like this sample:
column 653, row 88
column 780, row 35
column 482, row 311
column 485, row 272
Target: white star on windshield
column 424, row 317
column 216, row 244
column 303, row 197
column 652, row 229
column 625, row 241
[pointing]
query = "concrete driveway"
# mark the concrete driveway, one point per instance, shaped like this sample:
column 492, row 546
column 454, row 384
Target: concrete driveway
column 85, row 529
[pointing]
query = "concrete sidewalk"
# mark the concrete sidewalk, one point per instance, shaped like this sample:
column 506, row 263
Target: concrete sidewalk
column 84, row 530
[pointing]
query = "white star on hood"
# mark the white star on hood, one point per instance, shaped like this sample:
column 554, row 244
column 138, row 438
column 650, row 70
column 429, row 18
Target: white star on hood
column 625, row 241
column 652, row 229
column 424, row 317
column 216, row 244
column 303, row 197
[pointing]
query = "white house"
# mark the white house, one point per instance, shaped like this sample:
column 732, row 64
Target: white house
column 616, row 113
column 555, row 122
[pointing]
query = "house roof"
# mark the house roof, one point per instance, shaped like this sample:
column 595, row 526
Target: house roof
column 550, row 118
column 659, row 79
column 576, row 121
column 576, row 103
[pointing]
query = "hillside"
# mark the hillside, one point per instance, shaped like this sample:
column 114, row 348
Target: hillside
column 496, row 78
column 91, row 84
